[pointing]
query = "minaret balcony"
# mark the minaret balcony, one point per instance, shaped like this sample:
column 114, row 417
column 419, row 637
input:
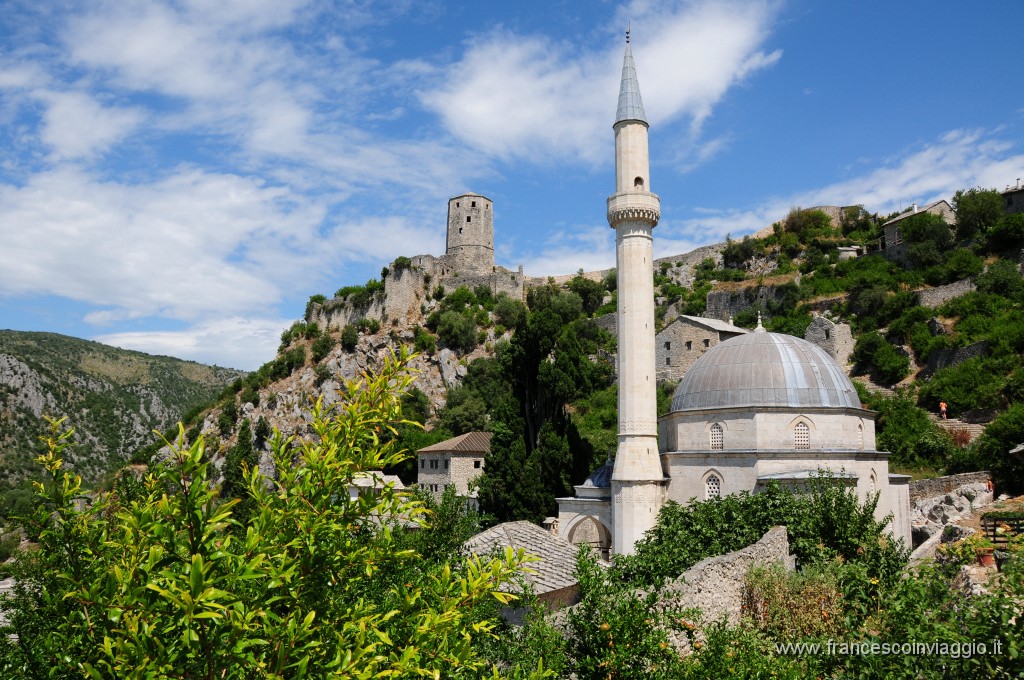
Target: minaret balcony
column 634, row 206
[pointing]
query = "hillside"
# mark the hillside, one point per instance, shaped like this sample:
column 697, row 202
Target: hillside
column 113, row 398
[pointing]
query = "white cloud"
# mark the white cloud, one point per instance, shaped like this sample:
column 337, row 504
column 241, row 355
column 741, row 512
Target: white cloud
column 75, row 125
column 566, row 251
column 183, row 247
column 957, row 160
column 526, row 97
column 234, row 342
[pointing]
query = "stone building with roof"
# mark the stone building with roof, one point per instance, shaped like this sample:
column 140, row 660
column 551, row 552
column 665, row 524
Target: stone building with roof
column 554, row 575
column 756, row 408
column 685, row 339
column 453, row 462
column 1013, row 199
column 893, row 245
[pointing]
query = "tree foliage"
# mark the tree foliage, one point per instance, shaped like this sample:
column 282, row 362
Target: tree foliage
column 317, row 587
column 976, row 210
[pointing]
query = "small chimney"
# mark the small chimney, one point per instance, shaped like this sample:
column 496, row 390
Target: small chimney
column 913, row 208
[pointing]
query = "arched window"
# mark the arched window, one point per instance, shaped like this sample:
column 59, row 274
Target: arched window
column 802, row 436
column 713, row 487
column 860, row 435
column 638, row 183
column 717, row 438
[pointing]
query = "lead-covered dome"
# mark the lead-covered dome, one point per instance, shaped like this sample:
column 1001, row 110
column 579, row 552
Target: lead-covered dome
column 763, row 369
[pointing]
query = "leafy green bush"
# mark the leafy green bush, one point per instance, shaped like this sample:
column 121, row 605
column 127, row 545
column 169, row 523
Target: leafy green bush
column 825, row 522
column 1007, row 234
column 509, row 313
column 313, row 301
column 456, row 331
column 349, row 338
column 321, row 347
column 976, row 211
column 873, row 353
column 424, row 341
column 161, row 586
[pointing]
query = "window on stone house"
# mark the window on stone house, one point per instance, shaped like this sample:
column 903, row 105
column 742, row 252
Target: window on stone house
column 423, row 464
column 456, row 204
column 828, row 334
column 713, row 487
column 689, row 344
column 717, row 437
column 668, row 344
column 802, row 436
column 446, row 465
column 472, row 204
column 707, row 343
column 469, row 218
column 476, row 463
column 668, row 361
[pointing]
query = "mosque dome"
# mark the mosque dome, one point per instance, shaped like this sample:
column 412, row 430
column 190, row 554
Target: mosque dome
column 763, row 369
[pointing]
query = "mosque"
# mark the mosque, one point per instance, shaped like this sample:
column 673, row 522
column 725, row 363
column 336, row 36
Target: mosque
column 755, row 408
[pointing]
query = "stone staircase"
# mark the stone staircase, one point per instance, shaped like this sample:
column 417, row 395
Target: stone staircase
column 955, row 424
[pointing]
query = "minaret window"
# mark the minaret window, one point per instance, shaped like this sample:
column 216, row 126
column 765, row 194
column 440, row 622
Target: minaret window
column 638, row 183
column 717, row 437
column 713, row 487
column 802, row 436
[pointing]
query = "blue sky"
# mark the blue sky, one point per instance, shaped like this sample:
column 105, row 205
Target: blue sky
column 179, row 177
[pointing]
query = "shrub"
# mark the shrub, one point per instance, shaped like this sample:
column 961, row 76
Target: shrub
column 873, row 353
column 313, row 301
column 321, row 347
column 401, row 264
column 456, row 331
column 349, row 338
column 300, row 594
column 424, row 341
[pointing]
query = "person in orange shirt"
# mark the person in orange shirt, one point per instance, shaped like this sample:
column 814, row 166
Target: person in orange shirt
column 942, row 409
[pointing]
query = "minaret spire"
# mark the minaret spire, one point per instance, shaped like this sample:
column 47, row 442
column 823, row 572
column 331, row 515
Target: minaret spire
column 633, row 211
column 631, row 106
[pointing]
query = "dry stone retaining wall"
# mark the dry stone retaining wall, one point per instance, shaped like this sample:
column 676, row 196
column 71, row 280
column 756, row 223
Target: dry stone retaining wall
column 933, row 297
column 715, row 585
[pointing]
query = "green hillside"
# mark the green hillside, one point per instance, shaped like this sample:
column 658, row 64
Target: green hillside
column 113, row 398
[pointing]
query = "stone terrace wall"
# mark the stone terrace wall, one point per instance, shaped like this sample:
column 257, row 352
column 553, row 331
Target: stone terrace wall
column 942, row 358
column 715, row 585
column 922, row 489
column 933, row 297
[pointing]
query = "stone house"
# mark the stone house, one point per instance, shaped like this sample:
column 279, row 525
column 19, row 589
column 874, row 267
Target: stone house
column 1013, row 199
column 682, row 342
column 453, row 462
column 893, row 246
column 835, row 338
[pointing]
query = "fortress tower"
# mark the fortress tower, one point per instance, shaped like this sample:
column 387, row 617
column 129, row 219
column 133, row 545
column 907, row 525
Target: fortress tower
column 470, row 245
column 637, row 484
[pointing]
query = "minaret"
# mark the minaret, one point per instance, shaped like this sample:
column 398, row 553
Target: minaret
column 633, row 212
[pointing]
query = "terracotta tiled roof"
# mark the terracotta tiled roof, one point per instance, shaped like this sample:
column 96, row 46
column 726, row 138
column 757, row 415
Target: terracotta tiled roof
column 471, row 442
column 557, row 566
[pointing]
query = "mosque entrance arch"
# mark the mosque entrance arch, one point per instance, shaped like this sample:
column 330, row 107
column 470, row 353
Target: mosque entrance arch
column 589, row 530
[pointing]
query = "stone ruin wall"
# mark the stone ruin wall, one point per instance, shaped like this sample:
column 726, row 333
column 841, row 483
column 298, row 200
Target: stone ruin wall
column 716, row 585
column 725, row 304
column 834, row 338
column 942, row 358
column 921, row 489
column 933, row 297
